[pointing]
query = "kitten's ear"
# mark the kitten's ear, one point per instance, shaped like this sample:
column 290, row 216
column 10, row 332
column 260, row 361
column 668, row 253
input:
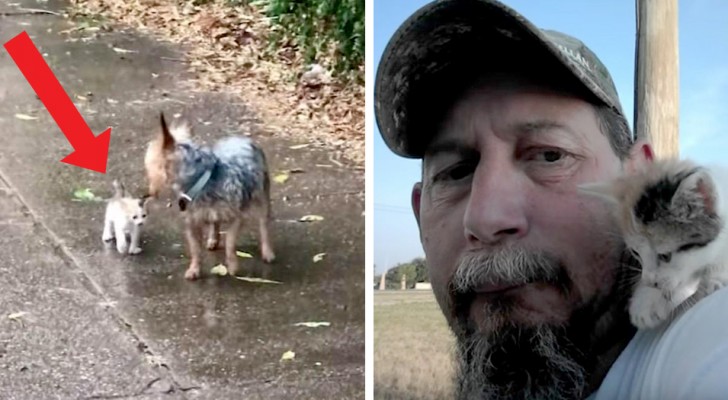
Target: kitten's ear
column 697, row 191
column 607, row 191
column 167, row 138
column 119, row 190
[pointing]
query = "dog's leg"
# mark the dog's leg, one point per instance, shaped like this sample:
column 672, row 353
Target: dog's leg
column 213, row 235
column 195, row 249
column 231, row 236
column 134, row 248
column 266, row 249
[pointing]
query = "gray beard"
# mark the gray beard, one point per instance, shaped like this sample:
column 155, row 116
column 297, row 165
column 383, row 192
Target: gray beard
column 519, row 363
column 514, row 361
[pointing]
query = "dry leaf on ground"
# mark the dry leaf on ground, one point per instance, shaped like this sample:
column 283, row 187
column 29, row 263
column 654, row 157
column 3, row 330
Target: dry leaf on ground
column 219, row 270
column 243, row 254
column 25, row 117
column 16, row 316
column 287, row 356
column 311, row 218
column 256, row 280
column 312, row 324
column 281, row 177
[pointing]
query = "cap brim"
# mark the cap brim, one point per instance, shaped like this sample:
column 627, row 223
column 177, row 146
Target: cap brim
column 443, row 47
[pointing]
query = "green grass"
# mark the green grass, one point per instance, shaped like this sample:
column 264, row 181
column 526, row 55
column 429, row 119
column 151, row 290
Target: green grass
column 412, row 347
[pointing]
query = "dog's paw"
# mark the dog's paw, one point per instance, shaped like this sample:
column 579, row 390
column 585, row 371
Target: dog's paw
column 649, row 308
column 232, row 266
column 268, row 255
column 192, row 273
column 212, row 244
column 135, row 250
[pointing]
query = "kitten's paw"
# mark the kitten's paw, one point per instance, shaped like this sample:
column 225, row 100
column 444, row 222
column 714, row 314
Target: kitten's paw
column 212, row 244
column 122, row 248
column 649, row 308
column 135, row 250
column 107, row 237
column 712, row 285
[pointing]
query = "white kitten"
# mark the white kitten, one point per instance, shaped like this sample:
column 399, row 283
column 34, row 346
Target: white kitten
column 125, row 216
column 672, row 216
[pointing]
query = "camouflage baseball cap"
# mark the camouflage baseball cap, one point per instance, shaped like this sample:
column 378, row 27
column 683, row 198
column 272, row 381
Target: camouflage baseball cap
column 447, row 44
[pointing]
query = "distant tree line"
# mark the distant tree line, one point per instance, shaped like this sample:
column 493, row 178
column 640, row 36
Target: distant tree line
column 414, row 271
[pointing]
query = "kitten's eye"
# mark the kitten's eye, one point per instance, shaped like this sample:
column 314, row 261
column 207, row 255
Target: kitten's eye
column 134, row 217
column 144, row 216
column 665, row 257
column 690, row 246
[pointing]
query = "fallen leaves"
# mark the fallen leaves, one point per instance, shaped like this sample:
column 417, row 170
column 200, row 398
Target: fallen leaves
column 229, row 51
column 288, row 356
column 318, row 257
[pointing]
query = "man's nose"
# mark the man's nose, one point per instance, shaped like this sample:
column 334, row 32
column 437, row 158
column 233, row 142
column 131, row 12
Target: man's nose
column 495, row 213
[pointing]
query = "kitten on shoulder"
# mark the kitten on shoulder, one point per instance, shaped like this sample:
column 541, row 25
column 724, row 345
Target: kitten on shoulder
column 672, row 216
column 125, row 216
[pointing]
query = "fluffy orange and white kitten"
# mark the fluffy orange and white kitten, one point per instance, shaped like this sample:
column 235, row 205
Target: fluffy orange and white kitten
column 672, row 217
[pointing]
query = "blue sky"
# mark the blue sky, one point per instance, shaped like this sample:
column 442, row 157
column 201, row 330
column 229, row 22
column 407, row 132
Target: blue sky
column 608, row 28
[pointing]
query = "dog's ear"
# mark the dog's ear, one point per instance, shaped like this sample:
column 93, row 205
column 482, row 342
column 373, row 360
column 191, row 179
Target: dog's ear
column 167, row 138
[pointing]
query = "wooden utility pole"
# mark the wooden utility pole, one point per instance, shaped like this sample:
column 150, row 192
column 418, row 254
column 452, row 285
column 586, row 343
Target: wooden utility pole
column 403, row 285
column 383, row 281
column 656, row 113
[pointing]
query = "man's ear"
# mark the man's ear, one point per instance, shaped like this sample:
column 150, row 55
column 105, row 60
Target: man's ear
column 640, row 156
column 416, row 198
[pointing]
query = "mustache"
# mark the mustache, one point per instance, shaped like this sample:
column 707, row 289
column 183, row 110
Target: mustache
column 506, row 265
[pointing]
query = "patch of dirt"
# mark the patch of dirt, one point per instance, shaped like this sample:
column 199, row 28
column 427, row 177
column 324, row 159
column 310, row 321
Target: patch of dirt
column 228, row 50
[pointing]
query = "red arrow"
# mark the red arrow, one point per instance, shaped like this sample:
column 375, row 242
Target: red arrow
column 90, row 152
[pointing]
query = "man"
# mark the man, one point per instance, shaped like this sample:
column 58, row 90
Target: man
column 530, row 275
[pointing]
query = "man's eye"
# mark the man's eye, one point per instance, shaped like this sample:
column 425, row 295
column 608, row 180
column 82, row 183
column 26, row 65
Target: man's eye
column 552, row 155
column 548, row 155
column 460, row 171
column 456, row 172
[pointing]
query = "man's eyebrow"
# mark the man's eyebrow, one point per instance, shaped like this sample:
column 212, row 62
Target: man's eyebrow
column 448, row 146
column 540, row 126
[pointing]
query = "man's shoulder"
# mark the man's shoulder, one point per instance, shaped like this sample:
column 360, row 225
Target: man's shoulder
column 685, row 359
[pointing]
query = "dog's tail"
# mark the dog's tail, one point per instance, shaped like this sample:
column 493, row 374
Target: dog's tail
column 119, row 190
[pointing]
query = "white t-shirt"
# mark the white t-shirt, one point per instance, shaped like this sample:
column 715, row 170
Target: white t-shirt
column 686, row 359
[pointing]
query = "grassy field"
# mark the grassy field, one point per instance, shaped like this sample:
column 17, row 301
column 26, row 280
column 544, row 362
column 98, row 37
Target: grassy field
column 412, row 347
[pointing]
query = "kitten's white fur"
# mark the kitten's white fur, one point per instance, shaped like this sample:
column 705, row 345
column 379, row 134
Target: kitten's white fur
column 665, row 290
column 125, row 216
